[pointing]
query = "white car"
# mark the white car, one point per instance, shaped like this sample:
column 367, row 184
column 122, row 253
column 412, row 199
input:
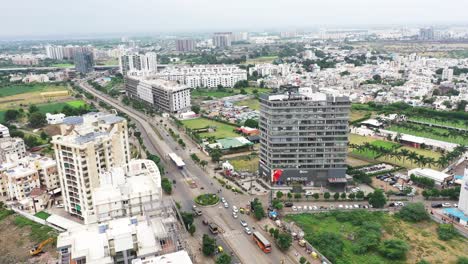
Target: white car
column 234, row 215
column 223, row 200
column 315, row 207
column 299, row 208
column 247, row 231
column 243, row 223
column 59, row 206
column 346, row 206
column 310, row 208
column 226, row 205
column 234, row 209
column 340, row 206
column 446, row 205
column 356, row 206
column 294, row 208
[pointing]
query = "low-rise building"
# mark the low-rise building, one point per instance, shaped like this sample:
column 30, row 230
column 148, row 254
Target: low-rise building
column 439, row 178
column 12, row 149
column 179, row 257
column 4, row 131
column 53, row 119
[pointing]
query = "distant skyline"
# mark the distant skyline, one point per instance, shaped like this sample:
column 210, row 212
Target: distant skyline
column 23, row 18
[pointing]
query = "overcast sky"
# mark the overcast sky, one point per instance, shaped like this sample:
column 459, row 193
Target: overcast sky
column 68, row 17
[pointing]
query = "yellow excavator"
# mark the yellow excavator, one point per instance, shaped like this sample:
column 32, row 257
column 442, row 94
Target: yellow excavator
column 36, row 250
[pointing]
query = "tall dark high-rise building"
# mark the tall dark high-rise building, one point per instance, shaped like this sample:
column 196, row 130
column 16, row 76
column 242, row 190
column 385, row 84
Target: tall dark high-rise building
column 303, row 137
column 84, row 60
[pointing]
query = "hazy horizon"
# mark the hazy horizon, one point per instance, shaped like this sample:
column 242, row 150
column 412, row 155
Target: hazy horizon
column 23, row 18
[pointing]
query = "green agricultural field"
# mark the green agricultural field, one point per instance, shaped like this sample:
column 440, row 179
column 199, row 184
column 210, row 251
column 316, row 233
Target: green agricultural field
column 421, row 237
column 449, row 123
column 459, row 139
column 52, row 107
column 222, row 130
column 264, row 59
column 24, row 88
column 251, row 103
column 62, row 65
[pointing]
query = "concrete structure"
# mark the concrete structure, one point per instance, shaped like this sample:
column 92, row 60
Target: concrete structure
column 124, row 191
column 222, row 39
column 185, row 45
column 303, row 137
column 179, row 257
column 88, row 146
column 135, row 64
column 4, row 131
column 208, row 76
column 54, row 52
column 12, row 149
column 84, row 60
column 123, row 240
column 53, row 119
column 447, row 74
column 163, row 95
column 463, row 201
column 426, row 33
column 439, row 178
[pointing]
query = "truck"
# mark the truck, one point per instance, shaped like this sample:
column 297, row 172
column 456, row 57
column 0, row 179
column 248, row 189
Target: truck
column 177, row 160
column 213, row 228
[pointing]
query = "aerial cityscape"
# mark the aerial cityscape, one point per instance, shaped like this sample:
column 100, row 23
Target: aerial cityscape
column 270, row 132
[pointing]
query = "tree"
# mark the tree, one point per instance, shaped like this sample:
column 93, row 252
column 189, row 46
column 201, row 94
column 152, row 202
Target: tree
column 196, row 109
column 257, row 207
column 37, row 120
column 203, row 163
column 279, row 194
column 316, row 196
column 394, row 249
column 297, row 196
column 32, row 109
column 209, row 245
column 44, row 136
column 216, row 154
column 251, row 123
column 377, row 199
column 326, row 195
column 343, row 196
column 328, row 243
column 336, row 196
column 243, row 91
column 302, row 260
column 11, row 115
column 166, row 185
column 187, row 218
column 284, row 241
column 192, row 229
column 224, row 259
column 352, row 196
column 422, row 261
column 446, row 232
column 277, row 204
column 413, row 212
column 31, row 141
column 290, row 196
column 462, row 260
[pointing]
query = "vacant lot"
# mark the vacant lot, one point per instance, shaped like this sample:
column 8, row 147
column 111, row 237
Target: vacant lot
column 15, row 96
column 245, row 163
column 357, row 114
column 421, row 237
column 215, row 93
column 264, row 59
column 251, row 103
column 222, row 130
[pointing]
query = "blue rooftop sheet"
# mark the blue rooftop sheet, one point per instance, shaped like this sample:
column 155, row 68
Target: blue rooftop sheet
column 457, row 213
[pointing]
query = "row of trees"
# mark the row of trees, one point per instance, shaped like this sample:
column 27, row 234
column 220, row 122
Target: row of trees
column 209, row 248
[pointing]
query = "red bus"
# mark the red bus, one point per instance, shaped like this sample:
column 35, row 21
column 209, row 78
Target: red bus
column 262, row 242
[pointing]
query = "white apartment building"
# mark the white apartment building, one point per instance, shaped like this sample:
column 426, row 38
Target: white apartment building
column 126, row 191
column 18, row 178
column 134, row 64
column 179, row 257
column 54, row 52
column 88, row 146
column 122, row 240
column 12, row 149
column 168, row 96
column 447, row 74
column 4, row 131
column 208, row 76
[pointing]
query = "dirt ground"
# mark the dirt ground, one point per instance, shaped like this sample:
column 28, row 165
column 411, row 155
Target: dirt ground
column 15, row 245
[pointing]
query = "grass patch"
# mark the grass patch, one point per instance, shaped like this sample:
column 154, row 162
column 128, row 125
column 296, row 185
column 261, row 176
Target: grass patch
column 357, row 114
column 52, row 107
column 38, row 232
column 250, row 103
column 449, row 123
column 370, row 154
column 42, row 215
column 421, row 237
column 245, row 163
column 62, row 65
column 263, row 59
column 215, row 93
column 222, row 130
column 408, row 164
column 207, row 199
column 415, row 131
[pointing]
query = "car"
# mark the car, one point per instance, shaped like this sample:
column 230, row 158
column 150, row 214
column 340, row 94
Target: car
column 310, row 208
column 455, row 205
column 332, row 207
column 356, row 206
column 59, row 206
column 243, row 223
column 391, row 205
column 346, row 206
column 315, row 207
column 226, row 205
column 205, row 222
column 247, row 231
column 446, row 205
column 294, row 208
column 299, row 208
column 234, row 215
column 223, row 200
column 288, row 204
column 340, row 206
column 436, row 205
column 234, row 209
